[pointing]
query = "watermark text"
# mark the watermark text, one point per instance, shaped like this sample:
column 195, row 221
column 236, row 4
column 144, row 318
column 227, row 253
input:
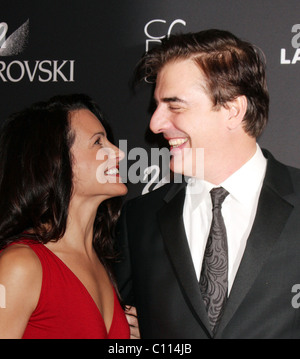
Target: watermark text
column 296, row 297
column 2, row 297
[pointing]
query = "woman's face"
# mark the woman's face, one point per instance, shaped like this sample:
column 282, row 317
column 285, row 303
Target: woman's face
column 95, row 159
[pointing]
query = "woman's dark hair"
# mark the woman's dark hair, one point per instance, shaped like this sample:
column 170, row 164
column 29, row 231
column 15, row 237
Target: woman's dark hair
column 232, row 67
column 36, row 175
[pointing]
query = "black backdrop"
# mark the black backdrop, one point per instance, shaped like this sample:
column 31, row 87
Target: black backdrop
column 92, row 46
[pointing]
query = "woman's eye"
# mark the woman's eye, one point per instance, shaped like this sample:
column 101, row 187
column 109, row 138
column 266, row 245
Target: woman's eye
column 98, row 142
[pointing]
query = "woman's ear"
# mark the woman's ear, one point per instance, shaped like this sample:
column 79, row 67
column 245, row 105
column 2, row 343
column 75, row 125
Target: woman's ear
column 236, row 112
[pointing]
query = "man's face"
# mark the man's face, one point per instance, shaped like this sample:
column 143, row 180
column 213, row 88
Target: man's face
column 186, row 118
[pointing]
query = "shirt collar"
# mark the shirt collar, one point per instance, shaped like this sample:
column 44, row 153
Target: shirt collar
column 243, row 185
column 246, row 182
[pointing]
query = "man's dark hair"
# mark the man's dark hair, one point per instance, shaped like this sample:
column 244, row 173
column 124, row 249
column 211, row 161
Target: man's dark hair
column 232, row 68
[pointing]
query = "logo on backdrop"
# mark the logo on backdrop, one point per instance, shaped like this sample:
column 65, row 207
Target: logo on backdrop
column 39, row 70
column 16, row 42
column 291, row 55
column 150, row 28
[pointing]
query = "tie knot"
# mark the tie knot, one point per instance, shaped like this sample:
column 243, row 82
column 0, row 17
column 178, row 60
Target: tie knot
column 218, row 196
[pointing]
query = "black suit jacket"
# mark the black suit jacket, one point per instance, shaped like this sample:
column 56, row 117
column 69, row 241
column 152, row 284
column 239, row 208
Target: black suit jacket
column 156, row 271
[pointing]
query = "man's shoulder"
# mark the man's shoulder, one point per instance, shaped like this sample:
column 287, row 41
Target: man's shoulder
column 295, row 178
column 294, row 171
column 283, row 177
column 154, row 199
column 153, row 196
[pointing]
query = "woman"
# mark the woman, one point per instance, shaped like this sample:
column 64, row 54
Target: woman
column 58, row 176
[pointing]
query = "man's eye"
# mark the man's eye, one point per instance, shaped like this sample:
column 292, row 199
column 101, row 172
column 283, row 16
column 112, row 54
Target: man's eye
column 174, row 108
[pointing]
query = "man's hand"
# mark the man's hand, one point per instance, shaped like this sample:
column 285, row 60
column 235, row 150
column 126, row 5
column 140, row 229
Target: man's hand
column 131, row 316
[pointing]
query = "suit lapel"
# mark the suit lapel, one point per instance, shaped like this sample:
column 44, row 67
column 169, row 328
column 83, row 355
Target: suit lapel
column 172, row 228
column 274, row 209
column 272, row 214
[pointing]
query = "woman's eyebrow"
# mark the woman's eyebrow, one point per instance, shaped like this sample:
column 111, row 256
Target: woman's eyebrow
column 98, row 133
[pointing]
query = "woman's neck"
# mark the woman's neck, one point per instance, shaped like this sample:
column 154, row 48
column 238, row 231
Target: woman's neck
column 80, row 226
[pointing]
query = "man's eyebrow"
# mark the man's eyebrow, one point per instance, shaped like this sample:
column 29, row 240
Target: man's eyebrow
column 173, row 99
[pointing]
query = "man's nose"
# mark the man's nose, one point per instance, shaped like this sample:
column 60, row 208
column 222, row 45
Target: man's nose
column 159, row 121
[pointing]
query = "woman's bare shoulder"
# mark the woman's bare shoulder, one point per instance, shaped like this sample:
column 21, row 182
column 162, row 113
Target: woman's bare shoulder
column 19, row 263
column 21, row 277
column 19, row 256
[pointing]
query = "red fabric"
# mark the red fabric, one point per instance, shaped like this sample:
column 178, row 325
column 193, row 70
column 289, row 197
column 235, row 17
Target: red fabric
column 65, row 309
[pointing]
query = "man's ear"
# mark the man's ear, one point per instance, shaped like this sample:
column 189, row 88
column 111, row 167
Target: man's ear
column 236, row 112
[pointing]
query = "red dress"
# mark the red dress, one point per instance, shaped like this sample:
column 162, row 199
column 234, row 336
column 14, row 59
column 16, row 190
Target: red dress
column 65, row 309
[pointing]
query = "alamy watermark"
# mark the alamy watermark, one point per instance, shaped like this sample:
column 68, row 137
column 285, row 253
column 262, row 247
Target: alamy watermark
column 296, row 297
column 2, row 297
column 139, row 166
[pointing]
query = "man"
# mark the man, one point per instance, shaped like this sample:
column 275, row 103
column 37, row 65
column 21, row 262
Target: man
column 217, row 257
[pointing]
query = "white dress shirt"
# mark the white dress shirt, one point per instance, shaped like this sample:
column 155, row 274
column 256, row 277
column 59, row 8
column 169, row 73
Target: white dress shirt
column 238, row 210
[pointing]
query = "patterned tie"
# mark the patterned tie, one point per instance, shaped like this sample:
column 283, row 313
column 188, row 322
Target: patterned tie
column 214, row 274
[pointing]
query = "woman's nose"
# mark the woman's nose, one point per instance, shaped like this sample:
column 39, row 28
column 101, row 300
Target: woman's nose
column 117, row 153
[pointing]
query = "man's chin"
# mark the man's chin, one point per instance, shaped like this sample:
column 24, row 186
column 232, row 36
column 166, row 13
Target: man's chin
column 191, row 168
